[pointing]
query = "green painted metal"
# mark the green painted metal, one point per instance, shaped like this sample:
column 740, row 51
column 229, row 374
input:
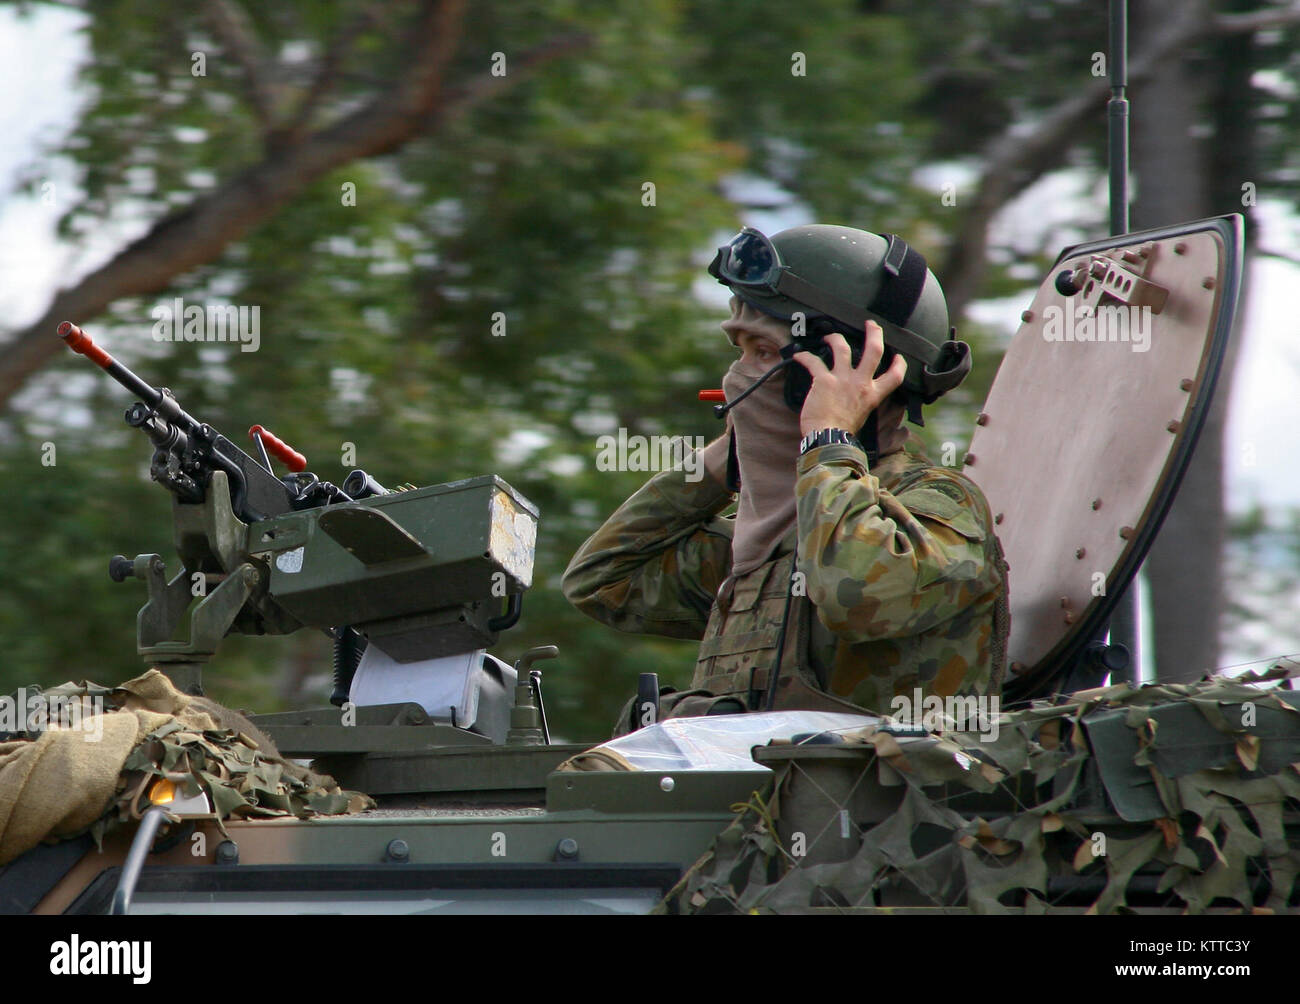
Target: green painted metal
column 464, row 770
column 652, row 795
column 457, row 558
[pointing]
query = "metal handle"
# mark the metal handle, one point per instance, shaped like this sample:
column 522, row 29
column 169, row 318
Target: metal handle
column 282, row 451
column 511, row 617
column 126, row 883
column 645, row 711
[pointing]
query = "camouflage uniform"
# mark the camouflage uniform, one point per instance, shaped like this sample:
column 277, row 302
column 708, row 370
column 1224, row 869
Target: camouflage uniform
column 900, row 563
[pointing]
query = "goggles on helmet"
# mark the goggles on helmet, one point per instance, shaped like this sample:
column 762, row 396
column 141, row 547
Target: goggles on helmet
column 749, row 259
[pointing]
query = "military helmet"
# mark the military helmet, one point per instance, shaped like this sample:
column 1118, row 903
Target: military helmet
column 851, row 276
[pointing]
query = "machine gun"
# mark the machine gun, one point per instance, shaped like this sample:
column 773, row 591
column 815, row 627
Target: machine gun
column 419, row 573
column 187, row 452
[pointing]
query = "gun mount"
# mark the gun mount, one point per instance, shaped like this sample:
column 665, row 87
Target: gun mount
column 409, row 583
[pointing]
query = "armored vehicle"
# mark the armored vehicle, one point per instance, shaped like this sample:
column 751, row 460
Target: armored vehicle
column 1083, row 792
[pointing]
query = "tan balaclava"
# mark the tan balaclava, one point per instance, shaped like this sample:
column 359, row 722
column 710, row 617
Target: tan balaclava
column 767, row 443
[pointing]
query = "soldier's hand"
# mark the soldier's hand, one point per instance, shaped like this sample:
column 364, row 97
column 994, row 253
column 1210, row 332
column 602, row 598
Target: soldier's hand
column 843, row 397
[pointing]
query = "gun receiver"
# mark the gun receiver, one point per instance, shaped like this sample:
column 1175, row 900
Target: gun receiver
column 187, row 451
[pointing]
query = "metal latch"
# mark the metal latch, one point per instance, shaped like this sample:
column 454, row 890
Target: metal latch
column 1117, row 275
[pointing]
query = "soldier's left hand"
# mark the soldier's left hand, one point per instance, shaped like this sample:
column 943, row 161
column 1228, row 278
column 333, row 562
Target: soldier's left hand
column 843, row 397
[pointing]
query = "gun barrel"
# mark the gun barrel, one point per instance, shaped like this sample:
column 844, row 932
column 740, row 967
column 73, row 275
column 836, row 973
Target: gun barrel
column 255, row 492
column 164, row 403
column 82, row 343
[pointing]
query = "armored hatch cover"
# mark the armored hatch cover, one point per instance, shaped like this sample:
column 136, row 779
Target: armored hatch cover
column 1091, row 421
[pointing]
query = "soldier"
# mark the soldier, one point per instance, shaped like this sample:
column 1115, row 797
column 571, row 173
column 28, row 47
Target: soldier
column 854, row 569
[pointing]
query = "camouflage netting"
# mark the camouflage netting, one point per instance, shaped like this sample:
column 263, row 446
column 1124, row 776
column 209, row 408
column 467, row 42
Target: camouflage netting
column 95, row 769
column 1118, row 799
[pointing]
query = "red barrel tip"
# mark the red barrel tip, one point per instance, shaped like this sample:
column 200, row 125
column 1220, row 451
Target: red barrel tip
column 713, row 395
column 80, row 342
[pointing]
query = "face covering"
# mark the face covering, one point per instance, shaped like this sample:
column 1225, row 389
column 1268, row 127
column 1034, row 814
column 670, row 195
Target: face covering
column 767, row 444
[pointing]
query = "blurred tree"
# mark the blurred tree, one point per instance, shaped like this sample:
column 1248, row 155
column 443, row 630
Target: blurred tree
column 523, row 197
column 387, row 181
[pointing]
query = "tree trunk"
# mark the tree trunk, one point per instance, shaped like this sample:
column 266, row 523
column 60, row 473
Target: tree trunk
column 1181, row 174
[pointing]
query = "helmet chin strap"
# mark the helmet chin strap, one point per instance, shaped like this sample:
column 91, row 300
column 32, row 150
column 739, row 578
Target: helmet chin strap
column 869, row 437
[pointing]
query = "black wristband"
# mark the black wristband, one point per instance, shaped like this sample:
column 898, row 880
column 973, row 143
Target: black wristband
column 825, row 437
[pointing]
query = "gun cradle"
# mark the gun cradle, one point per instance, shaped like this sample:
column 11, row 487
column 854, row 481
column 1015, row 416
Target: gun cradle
column 420, row 573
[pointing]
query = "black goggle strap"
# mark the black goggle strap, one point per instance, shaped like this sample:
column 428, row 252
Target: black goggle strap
column 902, row 282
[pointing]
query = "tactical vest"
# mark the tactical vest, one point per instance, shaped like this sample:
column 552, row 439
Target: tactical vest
column 738, row 653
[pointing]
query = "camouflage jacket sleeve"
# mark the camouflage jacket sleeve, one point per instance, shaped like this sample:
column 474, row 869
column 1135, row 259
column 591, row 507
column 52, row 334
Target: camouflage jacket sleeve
column 881, row 566
column 655, row 566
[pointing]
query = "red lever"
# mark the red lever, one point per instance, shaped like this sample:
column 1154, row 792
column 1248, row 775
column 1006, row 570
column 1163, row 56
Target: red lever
column 79, row 341
column 713, row 395
column 279, row 449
